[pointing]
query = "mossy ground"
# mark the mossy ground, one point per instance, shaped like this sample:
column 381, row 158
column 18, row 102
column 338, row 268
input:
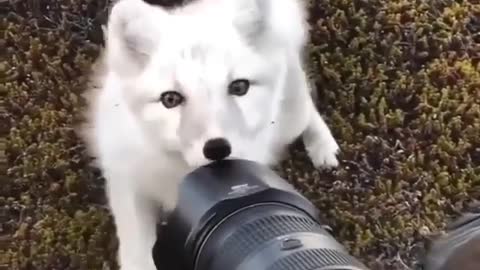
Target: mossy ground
column 398, row 82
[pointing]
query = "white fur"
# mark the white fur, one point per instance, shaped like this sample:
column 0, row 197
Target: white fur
column 145, row 149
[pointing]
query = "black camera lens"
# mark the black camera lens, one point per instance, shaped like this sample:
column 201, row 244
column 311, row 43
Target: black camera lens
column 239, row 215
column 272, row 236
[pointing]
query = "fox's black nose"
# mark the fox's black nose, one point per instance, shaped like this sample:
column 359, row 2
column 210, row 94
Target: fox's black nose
column 217, row 149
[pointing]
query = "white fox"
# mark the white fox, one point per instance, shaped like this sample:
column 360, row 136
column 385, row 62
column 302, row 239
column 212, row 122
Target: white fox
column 179, row 88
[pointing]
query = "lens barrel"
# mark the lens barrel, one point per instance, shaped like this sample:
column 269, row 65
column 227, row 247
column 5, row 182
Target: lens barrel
column 239, row 215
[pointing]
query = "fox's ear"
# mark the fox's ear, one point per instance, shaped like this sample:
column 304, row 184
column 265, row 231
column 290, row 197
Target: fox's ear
column 282, row 22
column 132, row 34
column 249, row 18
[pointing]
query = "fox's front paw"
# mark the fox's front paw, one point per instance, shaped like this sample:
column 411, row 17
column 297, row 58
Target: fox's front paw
column 129, row 263
column 138, row 267
column 323, row 154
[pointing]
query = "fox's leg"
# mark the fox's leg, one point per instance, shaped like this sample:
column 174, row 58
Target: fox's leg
column 319, row 142
column 135, row 222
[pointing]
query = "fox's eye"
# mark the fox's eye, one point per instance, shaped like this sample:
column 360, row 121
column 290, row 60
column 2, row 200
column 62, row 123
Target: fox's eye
column 171, row 99
column 239, row 87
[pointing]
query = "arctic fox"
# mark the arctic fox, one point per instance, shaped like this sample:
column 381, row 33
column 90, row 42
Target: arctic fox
column 179, row 88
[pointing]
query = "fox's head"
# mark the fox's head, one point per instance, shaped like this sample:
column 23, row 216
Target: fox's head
column 203, row 80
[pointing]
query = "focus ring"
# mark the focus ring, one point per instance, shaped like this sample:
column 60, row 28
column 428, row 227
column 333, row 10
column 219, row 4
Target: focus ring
column 272, row 237
column 250, row 229
column 258, row 232
column 311, row 259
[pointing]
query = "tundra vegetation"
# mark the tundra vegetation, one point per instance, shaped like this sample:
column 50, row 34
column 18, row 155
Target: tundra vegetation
column 398, row 82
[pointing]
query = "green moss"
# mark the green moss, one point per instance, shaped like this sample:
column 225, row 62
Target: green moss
column 398, row 82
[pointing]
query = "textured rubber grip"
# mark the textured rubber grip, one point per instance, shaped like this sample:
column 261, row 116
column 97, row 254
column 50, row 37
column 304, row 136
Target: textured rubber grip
column 269, row 237
column 254, row 234
column 316, row 259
